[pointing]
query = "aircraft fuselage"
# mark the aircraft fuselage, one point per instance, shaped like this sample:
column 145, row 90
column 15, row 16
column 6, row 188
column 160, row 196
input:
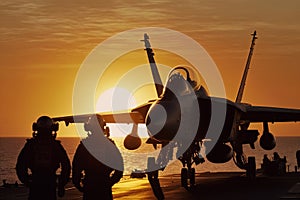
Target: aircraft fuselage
column 165, row 115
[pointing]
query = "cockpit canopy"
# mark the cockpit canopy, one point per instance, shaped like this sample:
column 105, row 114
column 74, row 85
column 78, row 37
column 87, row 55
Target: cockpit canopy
column 182, row 80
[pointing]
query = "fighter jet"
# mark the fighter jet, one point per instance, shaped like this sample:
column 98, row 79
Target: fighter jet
column 177, row 100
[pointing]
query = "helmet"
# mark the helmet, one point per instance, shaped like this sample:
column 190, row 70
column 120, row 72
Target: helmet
column 45, row 124
column 94, row 123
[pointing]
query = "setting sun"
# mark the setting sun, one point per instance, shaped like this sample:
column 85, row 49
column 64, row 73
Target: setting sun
column 115, row 100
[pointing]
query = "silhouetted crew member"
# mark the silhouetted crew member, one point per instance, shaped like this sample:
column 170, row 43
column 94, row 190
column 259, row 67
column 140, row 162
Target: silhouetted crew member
column 43, row 155
column 298, row 158
column 266, row 160
column 276, row 157
column 98, row 178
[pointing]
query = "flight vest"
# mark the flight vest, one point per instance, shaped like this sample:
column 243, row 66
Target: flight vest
column 45, row 156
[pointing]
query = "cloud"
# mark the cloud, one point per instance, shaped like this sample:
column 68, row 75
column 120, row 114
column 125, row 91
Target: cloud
column 57, row 26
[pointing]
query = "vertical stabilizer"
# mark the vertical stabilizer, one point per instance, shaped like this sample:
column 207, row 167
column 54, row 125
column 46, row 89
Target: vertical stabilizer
column 154, row 70
column 243, row 82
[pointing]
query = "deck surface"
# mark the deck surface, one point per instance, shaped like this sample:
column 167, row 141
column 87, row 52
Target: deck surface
column 225, row 185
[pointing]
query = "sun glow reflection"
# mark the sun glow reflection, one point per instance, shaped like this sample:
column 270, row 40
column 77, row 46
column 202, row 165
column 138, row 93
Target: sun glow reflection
column 114, row 100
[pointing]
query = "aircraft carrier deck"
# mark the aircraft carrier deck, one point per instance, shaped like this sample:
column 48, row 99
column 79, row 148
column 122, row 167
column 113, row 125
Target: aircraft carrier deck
column 221, row 185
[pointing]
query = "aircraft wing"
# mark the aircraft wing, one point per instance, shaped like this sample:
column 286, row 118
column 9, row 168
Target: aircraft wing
column 136, row 115
column 270, row 114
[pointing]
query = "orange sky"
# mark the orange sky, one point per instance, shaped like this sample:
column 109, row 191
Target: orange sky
column 43, row 44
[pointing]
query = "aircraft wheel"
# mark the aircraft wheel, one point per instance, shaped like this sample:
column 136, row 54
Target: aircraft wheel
column 184, row 177
column 192, row 177
column 251, row 168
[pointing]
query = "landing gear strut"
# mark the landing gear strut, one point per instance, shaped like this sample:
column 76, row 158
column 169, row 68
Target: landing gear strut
column 241, row 161
column 153, row 179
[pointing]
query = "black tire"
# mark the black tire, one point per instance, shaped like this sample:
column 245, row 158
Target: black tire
column 251, row 168
column 192, row 177
column 184, row 177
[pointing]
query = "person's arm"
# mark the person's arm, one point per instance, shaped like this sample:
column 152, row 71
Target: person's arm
column 116, row 176
column 77, row 168
column 65, row 165
column 23, row 164
column 65, row 170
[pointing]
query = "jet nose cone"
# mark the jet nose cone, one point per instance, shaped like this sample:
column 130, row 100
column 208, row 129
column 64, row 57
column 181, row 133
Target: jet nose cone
column 156, row 119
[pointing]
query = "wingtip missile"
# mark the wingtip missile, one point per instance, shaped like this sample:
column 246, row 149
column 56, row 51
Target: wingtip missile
column 146, row 41
column 254, row 34
column 146, row 36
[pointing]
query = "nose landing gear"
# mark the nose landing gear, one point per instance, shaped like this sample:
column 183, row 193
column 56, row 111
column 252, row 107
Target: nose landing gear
column 189, row 157
column 188, row 178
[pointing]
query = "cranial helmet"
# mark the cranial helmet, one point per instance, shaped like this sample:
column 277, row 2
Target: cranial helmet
column 45, row 124
column 94, row 123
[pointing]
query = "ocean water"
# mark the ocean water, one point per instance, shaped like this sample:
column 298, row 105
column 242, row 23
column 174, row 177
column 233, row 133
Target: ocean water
column 10, row 148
